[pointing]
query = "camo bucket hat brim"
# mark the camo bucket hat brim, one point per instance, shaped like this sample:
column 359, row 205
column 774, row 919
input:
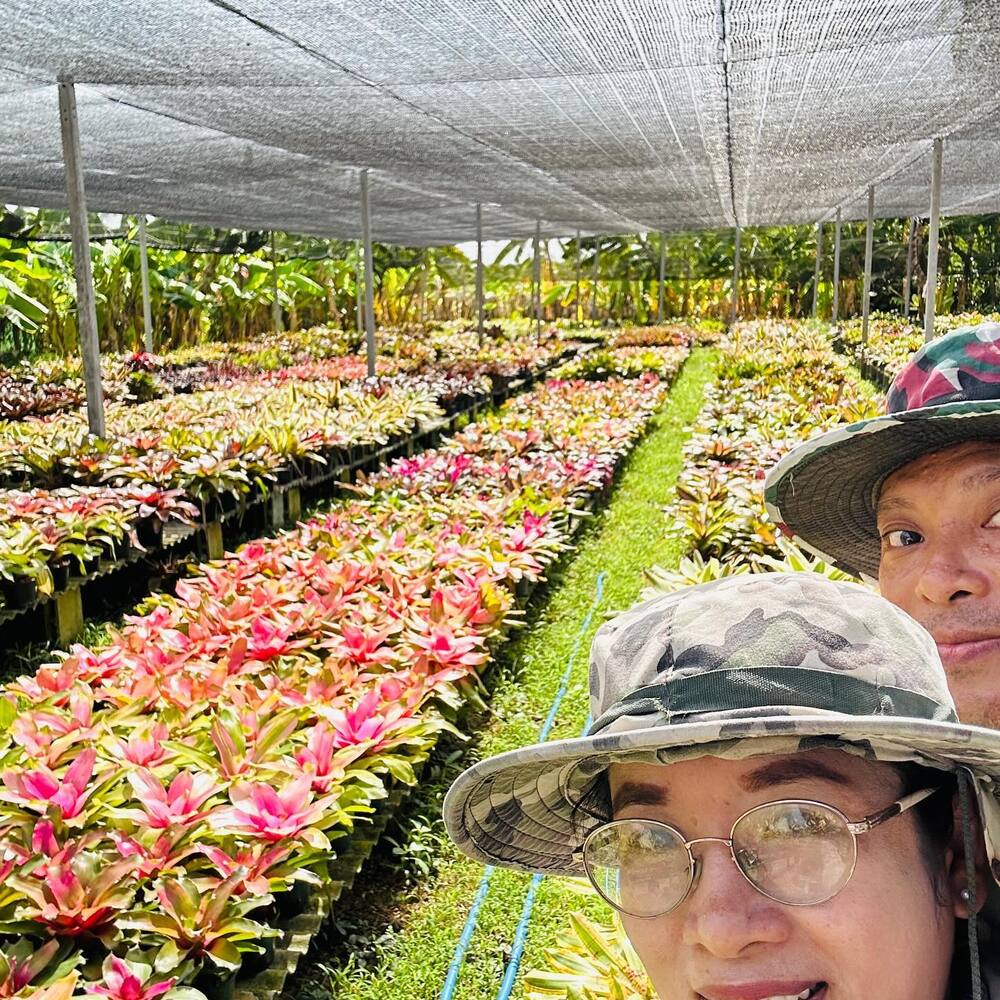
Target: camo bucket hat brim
column 826, row 491
column 744, row 666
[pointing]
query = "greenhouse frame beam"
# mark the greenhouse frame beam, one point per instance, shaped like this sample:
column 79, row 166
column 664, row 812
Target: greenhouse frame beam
column 536, row 268
column 818, row 269
column 867, row 292
column 86, row 307
column 930, row 302
column 735, row 308
column 147, row 308
column 276, row 319
column 836, row 267
column 663, row 269
column 480, row 318
column 366, row 236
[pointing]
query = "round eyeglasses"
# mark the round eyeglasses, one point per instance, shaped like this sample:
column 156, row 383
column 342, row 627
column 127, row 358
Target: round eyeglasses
column 793, row 851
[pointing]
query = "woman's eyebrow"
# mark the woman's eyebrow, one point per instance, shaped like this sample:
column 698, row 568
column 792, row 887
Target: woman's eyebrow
column 638, row 793
column 782, row 772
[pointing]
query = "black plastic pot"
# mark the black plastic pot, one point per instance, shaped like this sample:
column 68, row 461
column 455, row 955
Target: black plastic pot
column 216, row 985
column 290, row 904
column 19, row 593
column 60, row 574
column 149, row 532
column 254, row 964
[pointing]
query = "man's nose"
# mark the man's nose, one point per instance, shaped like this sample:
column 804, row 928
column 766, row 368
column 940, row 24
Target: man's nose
column 951, row 572
column 726, row 915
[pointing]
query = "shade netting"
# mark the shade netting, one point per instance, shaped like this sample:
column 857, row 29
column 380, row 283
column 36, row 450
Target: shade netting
column 602, row 115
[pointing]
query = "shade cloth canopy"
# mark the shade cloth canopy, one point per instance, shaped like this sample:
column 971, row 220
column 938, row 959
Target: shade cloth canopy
column 600, row 115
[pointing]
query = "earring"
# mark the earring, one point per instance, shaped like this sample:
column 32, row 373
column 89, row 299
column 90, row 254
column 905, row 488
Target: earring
column 965, row 895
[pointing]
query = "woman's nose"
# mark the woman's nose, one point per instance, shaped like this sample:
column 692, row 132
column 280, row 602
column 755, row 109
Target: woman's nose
column 725, row 914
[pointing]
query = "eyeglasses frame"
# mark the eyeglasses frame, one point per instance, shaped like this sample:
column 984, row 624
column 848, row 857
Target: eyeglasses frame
column 854, row 827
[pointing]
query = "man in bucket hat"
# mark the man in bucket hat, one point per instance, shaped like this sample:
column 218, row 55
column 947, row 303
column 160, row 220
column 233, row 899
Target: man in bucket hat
column 913, row 498
column 775, row 794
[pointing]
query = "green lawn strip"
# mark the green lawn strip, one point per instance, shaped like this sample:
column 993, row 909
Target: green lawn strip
column 623, row 540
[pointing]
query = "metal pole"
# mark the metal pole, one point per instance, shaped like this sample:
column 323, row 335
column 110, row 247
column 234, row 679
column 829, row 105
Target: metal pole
column 147, row 309
column 479, row 273
column 736, row 279
column 597, row 272
column 819, row 267
column 867, row 293
column 663, row 271
column 537, row 274
column 908, row 277
column 932, row 241
column 276, row 320
column 366, row 235
column 86, row 308
column 359, row 310
column 836, row 268
column 577, row 311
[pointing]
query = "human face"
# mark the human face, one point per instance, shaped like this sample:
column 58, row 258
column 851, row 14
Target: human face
column 727, row 941
column 939, row 521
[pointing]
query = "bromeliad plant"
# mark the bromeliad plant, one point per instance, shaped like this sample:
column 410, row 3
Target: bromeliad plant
column 220, row 748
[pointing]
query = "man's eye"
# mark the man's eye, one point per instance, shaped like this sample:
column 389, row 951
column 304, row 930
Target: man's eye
column 901, row 538
column 994, row 521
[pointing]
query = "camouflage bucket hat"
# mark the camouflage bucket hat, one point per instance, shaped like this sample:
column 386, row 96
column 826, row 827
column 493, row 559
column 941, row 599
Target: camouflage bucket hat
column 825, row 491
column 743, row 666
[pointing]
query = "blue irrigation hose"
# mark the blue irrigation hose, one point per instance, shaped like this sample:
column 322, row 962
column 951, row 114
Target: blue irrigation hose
column 458, row 958
column 521, row 934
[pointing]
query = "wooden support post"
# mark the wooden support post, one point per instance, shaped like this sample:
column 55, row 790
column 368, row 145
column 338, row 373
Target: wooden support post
column 358, row 288
column 213, row 540
column 663, row 271
column 836, row 268
column 577, row 308
column 735, row 305
column 147, row 307
column 293, row 504
column 276, row 319
column 366, row 235
column 86, row 307
column 64, row 616
column 819, row 268
column 480, row 304
column 277, row 509
column 911, row 230
column 537, row 278
column 597, row 275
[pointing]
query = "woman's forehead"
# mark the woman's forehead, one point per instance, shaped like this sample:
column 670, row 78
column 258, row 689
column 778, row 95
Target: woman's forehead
column 754, row 774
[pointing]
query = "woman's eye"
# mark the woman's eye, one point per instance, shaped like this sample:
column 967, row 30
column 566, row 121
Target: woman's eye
column 994, row 521
column 902, row 537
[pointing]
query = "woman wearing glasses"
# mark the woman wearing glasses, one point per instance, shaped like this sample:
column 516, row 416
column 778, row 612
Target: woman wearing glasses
column 775, row 794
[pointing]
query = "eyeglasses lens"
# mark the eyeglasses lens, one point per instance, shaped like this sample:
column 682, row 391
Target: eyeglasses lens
column 639, row 867
column 795, row 852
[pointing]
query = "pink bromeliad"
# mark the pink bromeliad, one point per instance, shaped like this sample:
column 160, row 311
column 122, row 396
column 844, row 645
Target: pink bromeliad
column 180, row 804
column 41, row 788
column 120, row 982
column 273, row 815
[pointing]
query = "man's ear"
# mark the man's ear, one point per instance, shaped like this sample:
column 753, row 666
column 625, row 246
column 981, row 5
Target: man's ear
column 955, row 861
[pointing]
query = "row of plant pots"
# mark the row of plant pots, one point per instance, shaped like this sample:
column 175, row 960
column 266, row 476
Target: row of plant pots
column 228, row 738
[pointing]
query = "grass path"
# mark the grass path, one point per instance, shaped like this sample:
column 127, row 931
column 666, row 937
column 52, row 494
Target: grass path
column 625, row 538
